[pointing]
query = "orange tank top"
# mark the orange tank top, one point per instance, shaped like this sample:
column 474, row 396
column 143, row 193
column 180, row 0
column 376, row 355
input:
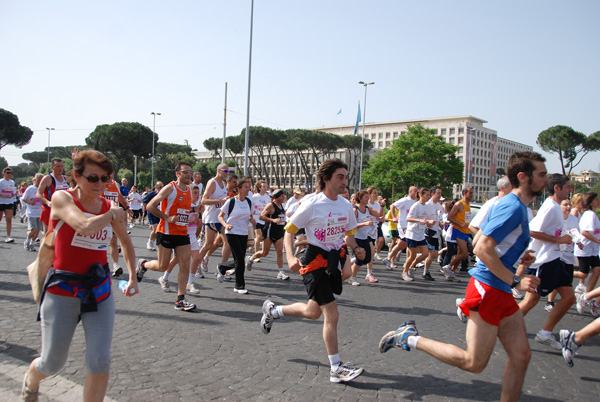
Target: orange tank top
column 179, row 203
column 464, row 216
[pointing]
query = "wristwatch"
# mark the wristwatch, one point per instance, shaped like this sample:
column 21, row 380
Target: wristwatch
column 516, row 281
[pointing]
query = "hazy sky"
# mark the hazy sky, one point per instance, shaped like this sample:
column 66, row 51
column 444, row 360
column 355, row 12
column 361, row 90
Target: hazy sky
column 521, row 65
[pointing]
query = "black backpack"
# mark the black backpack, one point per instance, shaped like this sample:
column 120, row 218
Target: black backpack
column 232, row 203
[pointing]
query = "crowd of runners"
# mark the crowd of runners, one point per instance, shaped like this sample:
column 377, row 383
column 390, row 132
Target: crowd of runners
column 327, row 237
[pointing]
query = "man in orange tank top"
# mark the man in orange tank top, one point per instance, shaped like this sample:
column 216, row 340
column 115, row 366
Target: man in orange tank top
column 175, row 201
column 460, row 217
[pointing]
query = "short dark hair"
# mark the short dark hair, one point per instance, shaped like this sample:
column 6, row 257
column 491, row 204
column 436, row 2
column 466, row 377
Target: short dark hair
column 521, row 162
column 327, row 169
column 55, row 160
column 180, row 164
column 231, row 176
column 465, row 190
column 556, row 179
column 91, row 156
column 433, row 189
column 243, row 181
column 424, row 190
column 588, row 198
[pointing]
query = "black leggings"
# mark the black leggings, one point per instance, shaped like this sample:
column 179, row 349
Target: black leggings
column 238, row 243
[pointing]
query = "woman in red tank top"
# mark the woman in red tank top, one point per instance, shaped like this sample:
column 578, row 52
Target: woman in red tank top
column 83, row 220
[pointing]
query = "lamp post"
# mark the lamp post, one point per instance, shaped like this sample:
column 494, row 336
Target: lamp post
column 248, row 101
column 49, row 129
column 153, row 134
column 362, row 142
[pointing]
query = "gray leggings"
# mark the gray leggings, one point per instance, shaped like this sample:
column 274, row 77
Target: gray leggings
column 59, row 315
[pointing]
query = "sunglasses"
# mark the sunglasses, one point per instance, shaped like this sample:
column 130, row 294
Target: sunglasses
column 94, row 179
column 8, row 172
column 225, row 170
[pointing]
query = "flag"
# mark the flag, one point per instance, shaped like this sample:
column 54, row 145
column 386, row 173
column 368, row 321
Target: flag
column 357, row 119
column 340, row 112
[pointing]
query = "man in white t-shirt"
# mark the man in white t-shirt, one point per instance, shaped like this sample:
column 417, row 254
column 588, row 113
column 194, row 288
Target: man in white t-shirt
column 329, row 222
column 504, row 188
column 34, row 210
column 546, row 231
column 399, row 211
column 432, row 235
column 260, row 199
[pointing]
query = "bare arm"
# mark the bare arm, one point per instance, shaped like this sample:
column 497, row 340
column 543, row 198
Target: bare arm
column 456, row 209
column 153, row 204
column 128, row 255
column 39, row 194
column 566, row 239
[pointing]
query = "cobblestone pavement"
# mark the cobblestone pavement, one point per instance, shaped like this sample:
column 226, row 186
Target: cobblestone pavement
column 219, row 353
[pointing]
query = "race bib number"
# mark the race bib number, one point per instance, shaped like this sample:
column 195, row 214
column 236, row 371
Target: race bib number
column 423, row 225
column 97, row 241
column 467, row 216
column 281, row 219
column 183, row 217
column 111, row 196
column 336, row 228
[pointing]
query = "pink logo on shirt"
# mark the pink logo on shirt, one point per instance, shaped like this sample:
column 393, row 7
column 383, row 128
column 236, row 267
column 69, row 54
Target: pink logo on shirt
column 320, row 234
column 558, row 233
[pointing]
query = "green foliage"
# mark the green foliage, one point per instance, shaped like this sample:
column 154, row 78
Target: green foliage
column 164, row 148
column 11, row 131
column 3, row 163
column 40, row 157
column 568, row 144
column 126, row 173
column 121, row 141
column 164, row 169
column 418, row 158
column 144, row 179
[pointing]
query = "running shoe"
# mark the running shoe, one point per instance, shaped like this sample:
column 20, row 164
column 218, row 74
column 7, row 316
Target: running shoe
column 344, row 373
column 461, row 316
column 427, row 276
column 184, row 305
column 388, row 264
column 377, row 257
column 407, row 277
column 117, row 271
column 149, row 245
column 230, row 272
column 199, row 274
column 26, row 244
column 581, row 303
column 258, row 259
column 516, row 294
column 204, row 264
column 249, row 262
column 580, row 288
column 353, row 260
column 371, row 278
column 569, row 346
column 399, row 337
column 353, row 281
column 419, row 265
column 32, row 247
column 164, row 284
column 548, row 341
column 240, row 291
column 594, row 309
column 9, row 240
column 266, row 322
column 282, row 276
column 454, row 278
column 549, row 306
column 222, row 278
column 192, row 289
column 447, row 271
column 140, row 270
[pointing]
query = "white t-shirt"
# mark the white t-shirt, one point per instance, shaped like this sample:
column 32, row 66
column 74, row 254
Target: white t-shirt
column 325, row 221
column 33, row 211
column 416, row 231
column 365, row 231
column 291, row 202
column 549, row 220
column 211, row 213
column 571, row 225
column 7, row 187
column 403, row 206
column 436, row 211
column 239, row 218
column 259, row 202
column 377, row 207
column 292, row 210
column 591, row 224
column 136, row 201
column 478, row 220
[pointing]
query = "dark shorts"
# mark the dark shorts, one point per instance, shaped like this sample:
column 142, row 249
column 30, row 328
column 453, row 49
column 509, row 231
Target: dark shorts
column 215, row 227
column 137, row 213
column 394, row 234
column 259, row 226
column 274, row 232
column 433, row 243
column 364, row 243
column 586, row 264
column 570, row 269
column 318, row 286
column 379, row 231
column 4, row 207
column 414, row 243
column 552, row 275
column 370, row 240
column 171, row 241
column 492, row 304
column 153, row 220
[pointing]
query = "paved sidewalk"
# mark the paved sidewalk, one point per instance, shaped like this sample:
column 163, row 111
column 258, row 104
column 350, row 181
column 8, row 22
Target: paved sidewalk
column 219, row 353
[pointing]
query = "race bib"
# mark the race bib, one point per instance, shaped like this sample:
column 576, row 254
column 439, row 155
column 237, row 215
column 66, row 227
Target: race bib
column 97, row 241
column 467, row 216
column 336, row 229
column 111, row 196
column 281, row 219
column 183, row 217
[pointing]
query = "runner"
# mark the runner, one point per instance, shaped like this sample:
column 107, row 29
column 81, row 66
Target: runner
column 50, row 183
column 546, row 232
column 175, row 202
column 7, row 201
column 274, row 215
column 152, row 220
column 399, row 211
column 260, row 200
column 365, row 223
column 34, row 210
column 135, row 203
column 112, row 193
column 376, row 234
column 418, row 220
column 432, row 235
column 460, row 217
column 489, row 303
column 327, row 219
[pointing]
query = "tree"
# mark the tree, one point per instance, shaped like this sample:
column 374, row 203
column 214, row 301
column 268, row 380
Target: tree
column 163, row 148
column 39, row 157
column 568, row 144
column 126, row 173
column 500, row 172
column 12, row 132
column 419, row 158
column 121, row 141
column 164, row 169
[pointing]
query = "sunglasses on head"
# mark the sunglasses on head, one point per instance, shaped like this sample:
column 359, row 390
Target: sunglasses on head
column 225, row 170
column 94, row 179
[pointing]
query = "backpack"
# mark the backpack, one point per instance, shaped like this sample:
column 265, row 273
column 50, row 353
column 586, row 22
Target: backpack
column 231, row 204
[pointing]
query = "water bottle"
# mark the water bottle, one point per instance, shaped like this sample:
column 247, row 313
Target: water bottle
column 123, row 285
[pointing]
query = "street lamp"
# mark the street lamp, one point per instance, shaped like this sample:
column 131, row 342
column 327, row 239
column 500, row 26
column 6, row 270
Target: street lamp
column 49, row 129
column 362, row 142
column 153, row 134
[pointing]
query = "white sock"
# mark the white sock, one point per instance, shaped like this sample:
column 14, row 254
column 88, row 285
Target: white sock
column 545, row 333
column 412, row 341
column 334, row 361
column 191, row 278
column 369, row 271
column 166, row 275
column 281, row 270
column 277, row 312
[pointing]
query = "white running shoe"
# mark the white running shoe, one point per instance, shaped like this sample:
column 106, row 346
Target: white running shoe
column 377, row 257
column 164, row 284
column 407, row 277
column 249, row 262
column 353, row 281
column 149, row 244
column 548, row 341
column 581, row 303
column 282, row 276
column 240, row 291
column 344, row 373
column 461, row 316
column 192, row 289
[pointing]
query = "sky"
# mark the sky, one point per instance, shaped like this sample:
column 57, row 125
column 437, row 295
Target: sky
column 523, row 66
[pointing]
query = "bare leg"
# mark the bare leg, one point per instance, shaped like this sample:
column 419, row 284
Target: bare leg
column 567, row 299
column 513, row 337
column 94, row 388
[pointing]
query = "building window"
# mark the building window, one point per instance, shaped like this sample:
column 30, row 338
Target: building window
column 451, row 140
column 373, row 136
column 443, row 131
column 380, row 136
column 380, row 144
column 452, row 131
column 461, row 140
column 460, row 150
column 461, row 130
column 395, row 134
column 402, row 132
column 387, row 136
column 387, row 144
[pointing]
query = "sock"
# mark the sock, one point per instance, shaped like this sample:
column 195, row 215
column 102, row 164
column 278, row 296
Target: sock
column 166, row 275
column 369, row 271
column 191, row 278
column 334, row 361
column 180, row 297
column 545, row 333
column 281, row 270
column 115, row 265
column 277, row 312
column 412, row 341
column 426, row 271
